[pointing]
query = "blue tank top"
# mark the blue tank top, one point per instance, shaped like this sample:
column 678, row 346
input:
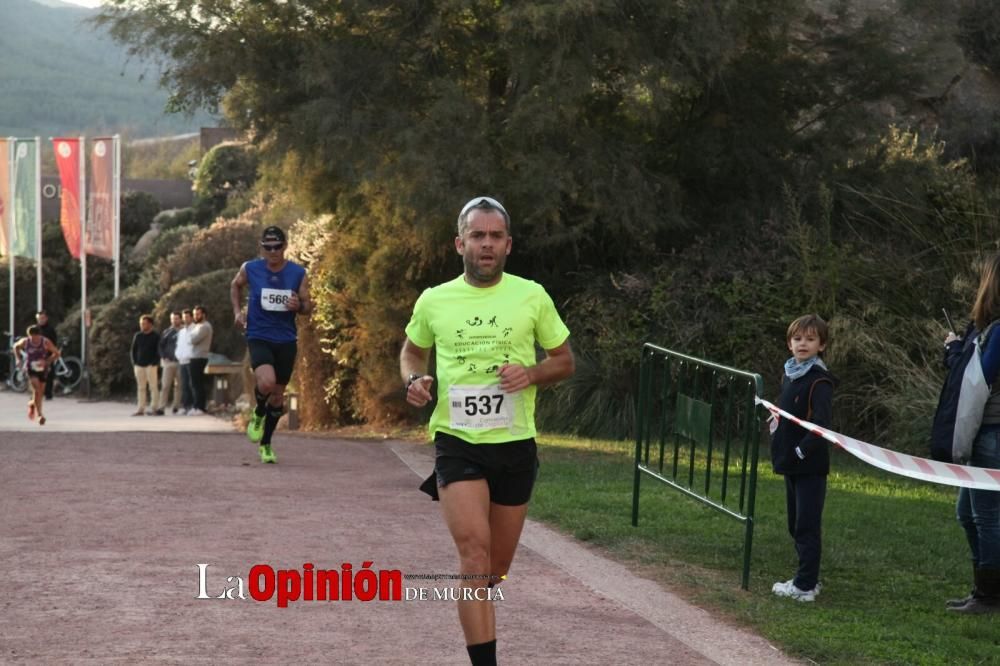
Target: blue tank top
column 268, row 318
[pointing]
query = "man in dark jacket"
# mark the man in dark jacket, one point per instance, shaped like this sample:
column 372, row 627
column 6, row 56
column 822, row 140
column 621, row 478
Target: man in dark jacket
column 145, row 361
column 48, row 331
column 168, row 361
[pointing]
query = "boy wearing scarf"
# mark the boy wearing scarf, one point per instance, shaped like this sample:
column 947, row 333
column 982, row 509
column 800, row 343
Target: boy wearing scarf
column 800, row 456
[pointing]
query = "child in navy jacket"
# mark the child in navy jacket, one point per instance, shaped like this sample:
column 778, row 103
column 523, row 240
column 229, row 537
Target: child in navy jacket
column 802, row 457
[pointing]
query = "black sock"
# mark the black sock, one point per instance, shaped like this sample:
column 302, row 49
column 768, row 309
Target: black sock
column 271, row 417
column 483, row 654
column 261, row 402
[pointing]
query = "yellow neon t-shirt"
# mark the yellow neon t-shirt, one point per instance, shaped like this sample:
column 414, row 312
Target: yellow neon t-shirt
column 474, row 331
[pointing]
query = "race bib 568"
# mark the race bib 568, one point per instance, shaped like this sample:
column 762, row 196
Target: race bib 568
column 275, row 300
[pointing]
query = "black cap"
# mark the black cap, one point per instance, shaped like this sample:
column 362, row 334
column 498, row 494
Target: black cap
column 273, row 233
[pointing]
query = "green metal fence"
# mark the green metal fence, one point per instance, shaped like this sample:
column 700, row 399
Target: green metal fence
column 698, row 430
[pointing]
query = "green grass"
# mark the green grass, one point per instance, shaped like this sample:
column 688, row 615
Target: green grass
column 893, row 553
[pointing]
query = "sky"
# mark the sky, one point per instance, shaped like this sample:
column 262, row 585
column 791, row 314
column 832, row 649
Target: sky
column 85, row 3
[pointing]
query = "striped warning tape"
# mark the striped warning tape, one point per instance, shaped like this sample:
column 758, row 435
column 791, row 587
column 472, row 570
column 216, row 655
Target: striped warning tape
column 924, row 469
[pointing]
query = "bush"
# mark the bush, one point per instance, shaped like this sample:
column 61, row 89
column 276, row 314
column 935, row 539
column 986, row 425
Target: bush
column 227, row 170
column 166, row 244
column 225, row 244
column 211, row 291
column 111, row 334
column 175, row 217
column 25, row 302
column 318, row 376
column 138, row 209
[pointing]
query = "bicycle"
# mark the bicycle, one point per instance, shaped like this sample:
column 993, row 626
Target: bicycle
column 17, row 375
column 68, row 370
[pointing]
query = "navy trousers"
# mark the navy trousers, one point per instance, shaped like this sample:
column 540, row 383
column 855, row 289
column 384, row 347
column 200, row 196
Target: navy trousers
column 804, row 496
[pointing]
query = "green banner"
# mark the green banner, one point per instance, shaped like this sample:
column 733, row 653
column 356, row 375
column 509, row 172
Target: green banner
column 26, row 190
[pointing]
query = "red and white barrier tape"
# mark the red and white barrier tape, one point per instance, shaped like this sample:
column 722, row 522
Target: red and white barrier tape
column 924, row 469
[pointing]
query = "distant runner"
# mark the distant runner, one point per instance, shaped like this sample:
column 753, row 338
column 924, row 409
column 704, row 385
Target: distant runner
column 279, row 290
column 39, row 354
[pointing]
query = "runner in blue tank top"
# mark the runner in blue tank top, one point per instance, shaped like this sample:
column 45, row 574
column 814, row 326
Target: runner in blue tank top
column 279, row 290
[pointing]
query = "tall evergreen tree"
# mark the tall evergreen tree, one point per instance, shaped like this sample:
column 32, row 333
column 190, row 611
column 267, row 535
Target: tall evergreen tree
column 614, row 130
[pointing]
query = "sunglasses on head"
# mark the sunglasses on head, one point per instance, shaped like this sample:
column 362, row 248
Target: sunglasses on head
column 272, row 247
column 482, row 202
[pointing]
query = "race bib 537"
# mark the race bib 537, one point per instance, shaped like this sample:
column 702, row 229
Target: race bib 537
column 479, row 407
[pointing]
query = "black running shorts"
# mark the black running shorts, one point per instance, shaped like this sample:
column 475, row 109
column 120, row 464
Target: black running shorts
column 279, row 355
column 510, row 469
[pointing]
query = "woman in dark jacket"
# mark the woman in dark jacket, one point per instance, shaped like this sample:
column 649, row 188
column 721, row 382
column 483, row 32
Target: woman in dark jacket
column 978, row 511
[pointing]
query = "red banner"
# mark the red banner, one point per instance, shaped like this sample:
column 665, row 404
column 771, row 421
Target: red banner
column 68, row 162
column 100, row 200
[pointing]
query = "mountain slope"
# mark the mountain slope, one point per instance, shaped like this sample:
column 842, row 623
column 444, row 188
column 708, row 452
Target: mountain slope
column 60, row 76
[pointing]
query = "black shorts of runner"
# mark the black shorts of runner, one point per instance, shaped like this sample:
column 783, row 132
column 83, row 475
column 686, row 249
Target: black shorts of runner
column 40, row 375
column 510, row 469
column 279, row 355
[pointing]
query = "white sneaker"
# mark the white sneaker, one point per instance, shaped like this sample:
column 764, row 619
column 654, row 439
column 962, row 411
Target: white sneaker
column 788, row 589
column 195, row 412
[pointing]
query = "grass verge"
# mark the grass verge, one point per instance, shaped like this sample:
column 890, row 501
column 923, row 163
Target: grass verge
column 893, row 553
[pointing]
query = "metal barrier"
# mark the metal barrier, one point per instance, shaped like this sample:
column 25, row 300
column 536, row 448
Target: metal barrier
column 698, row 411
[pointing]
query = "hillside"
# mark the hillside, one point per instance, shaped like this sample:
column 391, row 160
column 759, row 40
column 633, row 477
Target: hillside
column 59, row 76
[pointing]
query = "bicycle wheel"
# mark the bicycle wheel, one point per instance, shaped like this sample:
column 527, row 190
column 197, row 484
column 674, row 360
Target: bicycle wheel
column 70, row 377
column 19, row 382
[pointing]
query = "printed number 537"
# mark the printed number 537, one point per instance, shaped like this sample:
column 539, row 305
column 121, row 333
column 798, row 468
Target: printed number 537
column 483, row 404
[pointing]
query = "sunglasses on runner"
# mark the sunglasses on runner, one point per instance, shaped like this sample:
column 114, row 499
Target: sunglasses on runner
column 272, row 247
column 483, row 202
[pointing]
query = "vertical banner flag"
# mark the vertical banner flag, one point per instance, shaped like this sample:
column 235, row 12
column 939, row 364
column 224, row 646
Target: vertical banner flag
column 26, row 184
column 5, row 207
column 100, row 199
column 68, row 163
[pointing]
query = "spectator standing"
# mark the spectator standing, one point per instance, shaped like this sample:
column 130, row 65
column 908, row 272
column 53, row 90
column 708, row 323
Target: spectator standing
column 182, row 351
column 170, row 381
column 201, row 344
column 145, row 361
column 48, row 331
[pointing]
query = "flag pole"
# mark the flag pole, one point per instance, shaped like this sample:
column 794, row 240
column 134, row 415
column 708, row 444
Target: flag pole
column 83, row 262
column 9, row 212
column 116, row 189
column 38, row 218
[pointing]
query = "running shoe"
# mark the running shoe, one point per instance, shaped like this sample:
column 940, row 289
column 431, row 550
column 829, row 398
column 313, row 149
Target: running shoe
column 788, row 589
column 41, row 420
column 255, row 429
column 266, row 454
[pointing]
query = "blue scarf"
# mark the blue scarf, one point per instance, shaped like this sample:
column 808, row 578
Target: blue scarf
column 794, row 369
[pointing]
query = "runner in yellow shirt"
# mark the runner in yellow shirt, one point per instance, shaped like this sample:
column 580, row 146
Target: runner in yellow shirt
column 483, row 327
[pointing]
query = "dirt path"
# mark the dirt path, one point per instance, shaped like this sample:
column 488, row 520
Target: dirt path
column 102, row 534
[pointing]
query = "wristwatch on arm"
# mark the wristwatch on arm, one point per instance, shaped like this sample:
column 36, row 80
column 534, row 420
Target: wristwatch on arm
column 412, row 378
